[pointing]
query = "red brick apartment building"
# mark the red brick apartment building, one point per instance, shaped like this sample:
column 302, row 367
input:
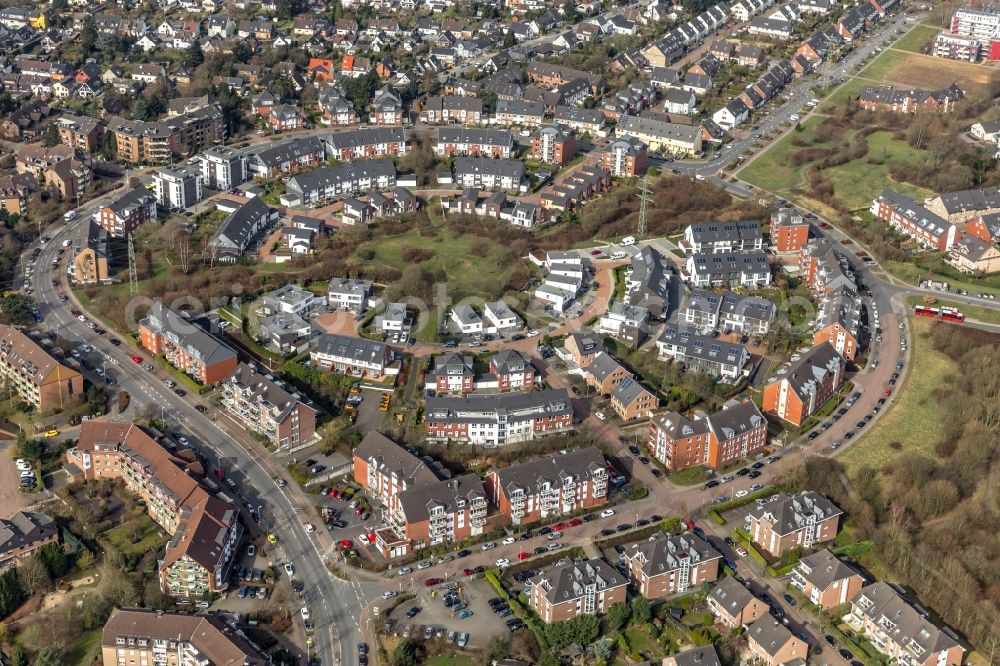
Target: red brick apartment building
column 512, row 370
column 823, row 270
column 385, row 469
column 838, row 321
column 605, row 373
column 789, row 231
column 23, row 534
column 669, row 564
column 825, row 580
column 122, row 216
column 452, row 373
column 771, row 643
column 903, row 213
column 808, row 383
column 36, row 378
column 186, row 346
column 561, row 593
column 624, row 158
column 264, row 407
column 205, row 529
column 549, row 486
column 553, row 145
column 789, row 521
column 738, row 431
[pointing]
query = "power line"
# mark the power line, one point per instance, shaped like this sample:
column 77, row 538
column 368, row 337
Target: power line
column 644, row 199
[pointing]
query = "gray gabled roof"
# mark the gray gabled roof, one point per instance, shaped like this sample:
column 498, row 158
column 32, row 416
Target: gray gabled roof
column 628, row 391
column 664, row 553
column 790, row 513
column 805, row 375
column 392, row 459
column 731, row 595
column 905, row 623
column 128, row 202
column 181, row 331
column 358, row 349
column 475, row 136
column 264, row 389
column 822, row 569
column 568, row 582
column 531, row 474
column 697, row 656
column 769, row 634
column 417, row 502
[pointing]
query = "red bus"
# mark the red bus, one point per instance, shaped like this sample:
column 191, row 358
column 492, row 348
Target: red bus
column 951, row 314
column 924, row 311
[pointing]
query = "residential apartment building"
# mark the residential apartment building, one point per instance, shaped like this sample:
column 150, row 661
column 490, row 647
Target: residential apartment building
column 473, row 141
column 625, row 158
column 496, row 420
column 262, row 405
column 726, row 361
column 367, row 143
column 186, row 346
column 446, row 511
column 123, row 215
column 80, row 132
column 773, row 644
column 626, row 323
column 23, row 534
column 342, row 180
column 789, row 230
column 957, row 47
column 553, row 145
column 798, row 392
column 660, row 135
column 242, row 230
column 583, row 347
column 161, row 142
column 90, row 258
column 223, row 168
column 34, row 376
column 204, row 529
column 452, row 109
column 347, row 355
column 385, row 469
column 488, row 174
column 838, row 321
column 738, row 431
column 561, row 593
column 631, row 400
column 518, row 112
column 177, row 187
column 823, row 269
column 707, row 311
column 927, row 228
column 668, row 564
column 451, row 373
column 888, row 99
column 650, row 282
column 732, row 269
column 965, row 205
column 697, row 656
column 136, row 636
column 349, row 294
column 549, row 486
column 825, row 580
column 900, row 629
column 793, row 521
column 604, row 373
column 974, row 256
column 733, row 605
column 723, row 237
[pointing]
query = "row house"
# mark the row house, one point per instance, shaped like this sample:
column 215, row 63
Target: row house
column 581, row 120
column 823, row 269
column 366, row 143
column 563, row 592
column 744, row 10
column 825, row 580
column 452, row 109
column 342, row 180
column 725, row 361
column 518, row 112
column 737, row 432
column 473, row 141
column 838, row 321
column 710, row 310
column 186, row 346
column 489, row 174
column 204, row 528
column 900, row 629
column 496, row 420
column 669, row 564
column 547, row 487
column 785, row 522
column 820, row 45
column 123, row 215
column 733, row 269
column 807, row 384
column 768, row 85
column 903, row 213
column 624, row 158
column 721, row 237
column 578, row 187
column 733, row 605
column 242, row 230
column 894, row 100
column 661, row 136
column 377, row 205
column 34, row 376
column 262, row 405
column 285, row 157
column 965, row 205
column 355, row 357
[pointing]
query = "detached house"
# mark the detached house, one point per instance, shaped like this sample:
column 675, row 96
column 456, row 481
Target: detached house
column 773, row 644
column 825, row 580
column 793, row 521
column 733, row 605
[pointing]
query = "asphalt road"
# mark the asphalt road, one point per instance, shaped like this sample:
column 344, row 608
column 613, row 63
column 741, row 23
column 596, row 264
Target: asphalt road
column 335, row 605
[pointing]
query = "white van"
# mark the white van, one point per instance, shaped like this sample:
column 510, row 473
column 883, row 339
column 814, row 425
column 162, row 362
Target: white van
column 628, row 240
column 618, row 255
column 69, row 215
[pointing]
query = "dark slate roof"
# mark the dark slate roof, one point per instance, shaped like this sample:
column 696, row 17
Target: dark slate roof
column 790, row 513
column 416, row 502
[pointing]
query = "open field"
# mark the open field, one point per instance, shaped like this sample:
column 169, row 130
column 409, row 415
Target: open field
column 770, row 170
column 917, row 38
column 881, row 66
column 933, row 267
column 846, row 92
column 985, row 315
column 915, row 414
column 921, row 71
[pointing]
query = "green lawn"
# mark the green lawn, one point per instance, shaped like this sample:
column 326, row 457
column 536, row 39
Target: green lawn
column 913, row 418
column 86, row 649
column 985, row 315
column 150, row 539
column 916, row 38
column 857, row 183
column 879, row 68
column 847, row 91
column 937, row 270
column 441, row 660
column 770, row 169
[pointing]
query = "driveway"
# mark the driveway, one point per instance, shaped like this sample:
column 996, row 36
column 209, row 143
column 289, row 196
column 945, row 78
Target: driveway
column 12, row 499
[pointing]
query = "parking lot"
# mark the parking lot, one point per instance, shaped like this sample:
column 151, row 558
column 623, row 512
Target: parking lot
column 12, row 499
column 482, row 625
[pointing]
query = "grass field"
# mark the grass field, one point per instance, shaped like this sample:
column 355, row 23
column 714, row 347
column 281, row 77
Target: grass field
column 913, row 274
column 985, row 315
column 770, row 170
column 921, row 71
column 441, row 660
column 917, row 38
column 880, row 68
column 914, row 416
column 150, row 538
column 849, row 90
